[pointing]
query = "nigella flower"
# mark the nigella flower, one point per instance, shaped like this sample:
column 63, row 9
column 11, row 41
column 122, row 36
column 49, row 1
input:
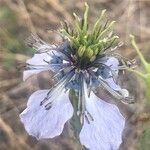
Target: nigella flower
column 85, row 61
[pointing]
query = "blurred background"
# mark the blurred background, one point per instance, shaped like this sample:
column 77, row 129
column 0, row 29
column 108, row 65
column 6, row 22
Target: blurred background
column 20, row 18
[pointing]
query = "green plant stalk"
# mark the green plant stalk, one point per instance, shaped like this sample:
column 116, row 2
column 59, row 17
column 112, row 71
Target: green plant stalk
column 144, row 62
column 75, row 122
column 148, row 89
column 145, row 136
column 146, row 75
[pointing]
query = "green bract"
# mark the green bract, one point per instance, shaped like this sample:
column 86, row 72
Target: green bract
column 85, row 43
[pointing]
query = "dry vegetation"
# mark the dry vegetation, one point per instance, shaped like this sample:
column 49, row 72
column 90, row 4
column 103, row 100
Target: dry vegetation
column 19, row 18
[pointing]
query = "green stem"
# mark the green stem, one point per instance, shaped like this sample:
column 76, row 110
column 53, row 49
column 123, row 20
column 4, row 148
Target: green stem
column 148, row 89
column 145, row 64
column 75, row 122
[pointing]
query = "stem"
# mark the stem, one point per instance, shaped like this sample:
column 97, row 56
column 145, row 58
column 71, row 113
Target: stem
column 75, row 121
column 145, row 64
column 147, row 90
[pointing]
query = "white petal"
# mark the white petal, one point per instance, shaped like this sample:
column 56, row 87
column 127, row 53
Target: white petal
column 39, row 45
column 42, row 123
column 112, row 62
column 28, row 73
column 113, row 84
column 105, row 132
column 38, row 59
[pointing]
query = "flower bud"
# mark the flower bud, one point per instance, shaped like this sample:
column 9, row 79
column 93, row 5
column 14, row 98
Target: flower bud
column 89, row 52
column 81, row 51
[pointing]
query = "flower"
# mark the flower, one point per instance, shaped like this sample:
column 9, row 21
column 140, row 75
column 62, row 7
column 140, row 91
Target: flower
column 82, row 63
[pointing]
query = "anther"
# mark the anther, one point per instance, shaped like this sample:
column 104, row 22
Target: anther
column 46, row 61
column 43, row 101
column 87, row 119
column 90, row 116
column 128, row 100
column 48, row 106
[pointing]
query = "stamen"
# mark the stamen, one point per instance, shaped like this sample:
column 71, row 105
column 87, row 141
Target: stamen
column 107, row 87
column 58, row 87
column 83, row 100
column 43, row 101
column 58, row 73
column 46, row 98
column 125, row 61
column 46, row 61
column 90, row 116
column 113, row 73
column 36, row 67
column 66, row 54
column 128, row 100
column 90, row 86
column 38, row 44
column 79, row 103
column 44, row 67
column 111, row 50
column 109, row 46
column 86, row 118
column 84, row 113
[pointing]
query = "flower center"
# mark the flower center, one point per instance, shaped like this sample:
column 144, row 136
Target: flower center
column 87, row 45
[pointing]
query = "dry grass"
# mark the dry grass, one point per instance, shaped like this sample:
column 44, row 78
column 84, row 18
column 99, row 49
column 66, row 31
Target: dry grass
column 42, row 17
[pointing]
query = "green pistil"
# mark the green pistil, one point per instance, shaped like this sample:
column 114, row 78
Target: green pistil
column 88, row 44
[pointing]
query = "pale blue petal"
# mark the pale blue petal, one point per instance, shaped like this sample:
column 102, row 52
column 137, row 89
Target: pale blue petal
column 112, row 83
column 105, row 132
column 28, row 73
column 42, row 123
column 37, row 60
column 113, row 63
